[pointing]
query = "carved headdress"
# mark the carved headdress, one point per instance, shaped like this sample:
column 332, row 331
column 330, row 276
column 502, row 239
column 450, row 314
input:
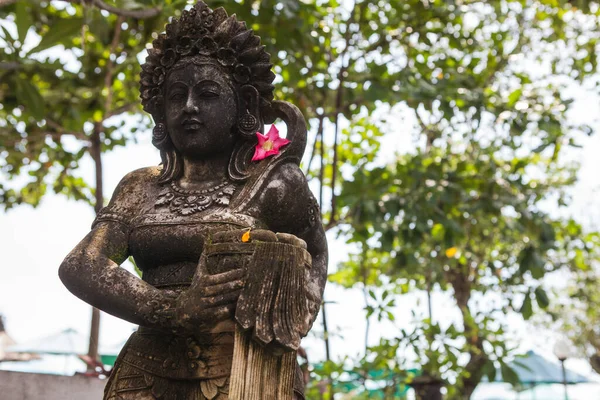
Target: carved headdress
column 202, row 31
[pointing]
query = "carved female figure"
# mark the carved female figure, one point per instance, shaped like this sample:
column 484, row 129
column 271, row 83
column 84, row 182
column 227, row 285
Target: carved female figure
column 201, row 227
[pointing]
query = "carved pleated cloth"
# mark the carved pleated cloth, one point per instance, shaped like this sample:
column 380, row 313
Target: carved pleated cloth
column 155, row 365
column 140, row 376
column 131, row 383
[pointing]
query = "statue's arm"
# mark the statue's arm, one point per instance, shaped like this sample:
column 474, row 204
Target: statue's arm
column 289, row 206
column 314, row 236
column 91, row 270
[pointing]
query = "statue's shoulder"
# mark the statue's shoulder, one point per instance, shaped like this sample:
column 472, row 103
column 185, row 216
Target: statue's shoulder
column 141, row 176
column 131, row 194
column 285, row 179
column 287, row 204
column 136, row 187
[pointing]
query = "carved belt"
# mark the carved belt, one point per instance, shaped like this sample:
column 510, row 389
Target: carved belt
column 174, row 276
column 178, row 357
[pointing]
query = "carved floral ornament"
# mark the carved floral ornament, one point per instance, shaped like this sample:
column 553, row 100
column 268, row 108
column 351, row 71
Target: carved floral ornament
column 186, row 202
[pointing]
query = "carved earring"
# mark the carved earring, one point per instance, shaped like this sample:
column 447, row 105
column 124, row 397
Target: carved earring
column 248, row 125
column 159, row 135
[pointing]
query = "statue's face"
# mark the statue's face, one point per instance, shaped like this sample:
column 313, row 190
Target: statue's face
column 201, row 110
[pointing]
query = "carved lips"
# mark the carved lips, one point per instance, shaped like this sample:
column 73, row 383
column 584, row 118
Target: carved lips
column 269, row 144
column 191, row 124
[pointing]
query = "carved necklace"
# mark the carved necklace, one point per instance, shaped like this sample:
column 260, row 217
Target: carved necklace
column 186, row 202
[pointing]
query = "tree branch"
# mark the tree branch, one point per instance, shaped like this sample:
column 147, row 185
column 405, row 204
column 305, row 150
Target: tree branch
column 10, row 65
column 332, row 224
column 338, row 109
column 314, row 146
column 120, row 110
column 429, row 133
column 521, row 42
column 62, row 131
column 110, row 66
column 137, row 14
column 462, row 293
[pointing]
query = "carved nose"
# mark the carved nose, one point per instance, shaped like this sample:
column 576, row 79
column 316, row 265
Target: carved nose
column 190, row 105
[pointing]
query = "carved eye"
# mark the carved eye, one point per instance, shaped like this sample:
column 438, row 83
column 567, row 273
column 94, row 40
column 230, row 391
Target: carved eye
column 209, row 93
column 177, row 96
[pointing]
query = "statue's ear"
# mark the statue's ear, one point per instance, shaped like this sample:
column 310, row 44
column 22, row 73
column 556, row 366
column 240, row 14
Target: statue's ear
column 249, row 118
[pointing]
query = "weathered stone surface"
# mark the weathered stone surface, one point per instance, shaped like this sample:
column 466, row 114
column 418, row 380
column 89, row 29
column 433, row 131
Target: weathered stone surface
column 232, row 250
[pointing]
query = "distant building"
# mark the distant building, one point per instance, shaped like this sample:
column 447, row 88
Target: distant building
column 5, row 342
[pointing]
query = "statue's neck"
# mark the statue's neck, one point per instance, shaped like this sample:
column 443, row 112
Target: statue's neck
column 198, row 173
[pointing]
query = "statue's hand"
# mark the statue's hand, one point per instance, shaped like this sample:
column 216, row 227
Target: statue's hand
column 205, row 305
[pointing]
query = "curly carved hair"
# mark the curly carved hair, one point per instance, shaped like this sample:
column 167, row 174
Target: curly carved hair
column 201, row 31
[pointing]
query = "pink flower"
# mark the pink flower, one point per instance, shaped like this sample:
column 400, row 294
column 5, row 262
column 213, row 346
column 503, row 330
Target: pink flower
column 269, row 144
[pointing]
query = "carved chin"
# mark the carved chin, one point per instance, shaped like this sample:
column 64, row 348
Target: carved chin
column 203, row 148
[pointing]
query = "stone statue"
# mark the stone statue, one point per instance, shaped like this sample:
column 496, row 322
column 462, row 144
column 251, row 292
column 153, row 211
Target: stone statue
column 226, row 230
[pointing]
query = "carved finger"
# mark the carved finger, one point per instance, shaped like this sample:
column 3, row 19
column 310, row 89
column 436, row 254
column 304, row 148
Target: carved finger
column 223, row 277
column 222, row 288
column 221, row 299
column 228, row 236
column 235, row 236
column 263, row 235
column 291, row 239
column 201, row 271
column 306, row 259
column 223, row 312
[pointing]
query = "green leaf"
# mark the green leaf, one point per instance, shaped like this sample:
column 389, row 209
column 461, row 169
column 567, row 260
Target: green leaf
column 579, row 260
column 23, row 19
column 6, row 35
column 489, row 370
column 526, row 309
column 100, row 27
column 508, row 374
column 437, row 232
column 30, row 97
column 59, row 31
column 97, row 116
column 138, row 271
column 542, row 297
column 514, row 97
column 530, row 260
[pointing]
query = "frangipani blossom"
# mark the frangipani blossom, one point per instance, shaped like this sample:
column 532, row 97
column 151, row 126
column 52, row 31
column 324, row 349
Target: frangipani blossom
column 269, row 144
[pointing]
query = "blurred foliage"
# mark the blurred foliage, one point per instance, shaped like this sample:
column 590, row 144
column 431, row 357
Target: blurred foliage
column 471, row 210
column 575, row 309
column 482, row 87
column 66, row 73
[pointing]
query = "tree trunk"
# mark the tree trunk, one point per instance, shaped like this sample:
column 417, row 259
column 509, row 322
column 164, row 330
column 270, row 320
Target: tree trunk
column 427, row 388
column 472, row 373
column 96, row 153
column 94, row 334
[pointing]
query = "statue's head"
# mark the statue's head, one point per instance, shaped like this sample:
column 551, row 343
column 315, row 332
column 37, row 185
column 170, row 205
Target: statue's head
column 206, row 83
